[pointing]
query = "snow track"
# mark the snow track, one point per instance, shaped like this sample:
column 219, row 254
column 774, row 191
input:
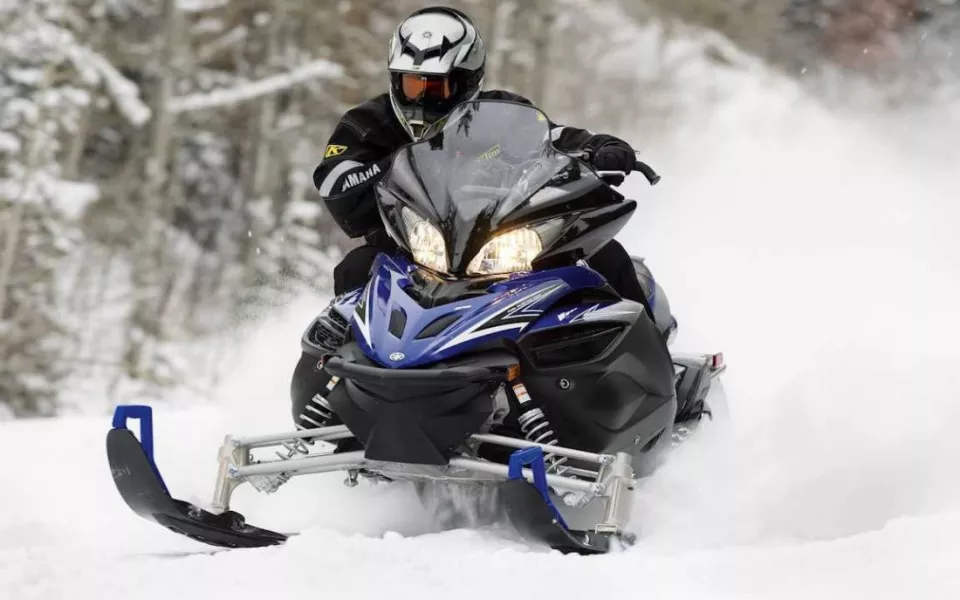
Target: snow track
column 817, row 252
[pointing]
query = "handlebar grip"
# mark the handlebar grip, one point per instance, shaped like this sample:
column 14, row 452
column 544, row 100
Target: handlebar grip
column 648, row 172
column 640, row 166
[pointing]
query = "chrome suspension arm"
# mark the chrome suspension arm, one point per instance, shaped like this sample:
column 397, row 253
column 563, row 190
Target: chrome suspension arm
column 612, row 480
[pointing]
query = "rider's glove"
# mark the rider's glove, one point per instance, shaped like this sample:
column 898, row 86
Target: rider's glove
column 611, row 154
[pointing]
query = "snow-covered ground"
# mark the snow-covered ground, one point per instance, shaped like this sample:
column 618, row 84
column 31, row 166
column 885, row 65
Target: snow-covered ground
column 817, row 252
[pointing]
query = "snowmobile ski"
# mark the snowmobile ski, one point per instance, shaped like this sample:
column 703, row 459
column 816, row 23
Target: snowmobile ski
column 533, row 514
column 140, row 484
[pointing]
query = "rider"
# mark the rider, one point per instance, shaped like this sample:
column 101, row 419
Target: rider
column 436, row 61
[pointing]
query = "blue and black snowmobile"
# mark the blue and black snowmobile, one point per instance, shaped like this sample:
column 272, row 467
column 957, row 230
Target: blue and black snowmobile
column 485, row 355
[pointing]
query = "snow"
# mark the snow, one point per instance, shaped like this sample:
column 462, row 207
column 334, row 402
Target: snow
column 198, row 6
column 249, row 91
column 9, row 144
column 124, row 93
column 70, row 198
column 92, row 67
column 816, row 250
column 73, row 197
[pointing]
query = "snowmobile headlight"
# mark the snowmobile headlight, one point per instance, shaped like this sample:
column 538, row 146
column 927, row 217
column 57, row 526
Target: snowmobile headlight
column 510, row 252
column 426, row 241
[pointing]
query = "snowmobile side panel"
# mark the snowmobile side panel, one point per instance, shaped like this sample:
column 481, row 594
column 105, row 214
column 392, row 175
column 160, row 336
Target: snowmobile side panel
column 606, row 384
column 696, row 375
column 141, row 487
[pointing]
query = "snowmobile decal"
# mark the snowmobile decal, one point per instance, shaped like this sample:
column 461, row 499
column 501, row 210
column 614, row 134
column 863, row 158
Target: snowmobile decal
column 355, row 179
column 334, row 150
column 521, row 312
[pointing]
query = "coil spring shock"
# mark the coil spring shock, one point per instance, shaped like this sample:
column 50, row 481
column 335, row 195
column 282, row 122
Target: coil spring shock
column 322, row 414
column 327, row 335
column 320, row 408
column 317, row 413
column 536, row 428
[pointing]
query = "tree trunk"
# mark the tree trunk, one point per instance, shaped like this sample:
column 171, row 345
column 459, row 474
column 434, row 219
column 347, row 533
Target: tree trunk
column 15, row 219
column 9, row 255
column 268, row 106
column 148, row 259
column 493, row 43
column 544, row 18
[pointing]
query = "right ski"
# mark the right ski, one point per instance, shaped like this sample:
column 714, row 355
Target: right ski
column 139, row 482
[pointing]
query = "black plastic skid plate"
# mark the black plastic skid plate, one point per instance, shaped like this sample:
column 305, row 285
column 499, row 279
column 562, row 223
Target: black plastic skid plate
column 144, row 492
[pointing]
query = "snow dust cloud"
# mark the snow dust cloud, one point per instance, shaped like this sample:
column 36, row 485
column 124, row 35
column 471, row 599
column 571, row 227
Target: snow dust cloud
column 818, row 250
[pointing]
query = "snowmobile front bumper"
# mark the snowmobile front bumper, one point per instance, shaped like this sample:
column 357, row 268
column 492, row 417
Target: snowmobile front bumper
column 525, row 484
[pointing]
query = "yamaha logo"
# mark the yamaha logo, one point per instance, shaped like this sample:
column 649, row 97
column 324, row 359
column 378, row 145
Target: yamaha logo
column 397, row 356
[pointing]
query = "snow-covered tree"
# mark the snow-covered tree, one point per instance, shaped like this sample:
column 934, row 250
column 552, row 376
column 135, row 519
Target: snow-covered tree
column 51, row 78
column 156, row 160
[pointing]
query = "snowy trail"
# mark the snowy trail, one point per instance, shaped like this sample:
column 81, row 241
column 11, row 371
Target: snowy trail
column 816, row 252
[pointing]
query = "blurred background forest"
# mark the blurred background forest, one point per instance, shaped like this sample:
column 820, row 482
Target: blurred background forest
column 156, row 155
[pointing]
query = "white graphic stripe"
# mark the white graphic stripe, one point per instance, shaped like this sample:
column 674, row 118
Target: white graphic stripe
column 525, row 301
column 327, row 186
column 362, row 322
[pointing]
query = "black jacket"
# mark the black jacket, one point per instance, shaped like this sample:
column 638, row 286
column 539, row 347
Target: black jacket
column 361, row 148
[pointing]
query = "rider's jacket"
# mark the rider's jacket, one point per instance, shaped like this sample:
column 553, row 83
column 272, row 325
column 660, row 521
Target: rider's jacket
column 360, row 150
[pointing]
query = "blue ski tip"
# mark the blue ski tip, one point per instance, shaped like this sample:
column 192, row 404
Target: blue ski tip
column 142, row 413
column 534, row 457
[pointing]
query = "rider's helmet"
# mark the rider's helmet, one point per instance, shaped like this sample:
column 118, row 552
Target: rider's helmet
column 436, row 61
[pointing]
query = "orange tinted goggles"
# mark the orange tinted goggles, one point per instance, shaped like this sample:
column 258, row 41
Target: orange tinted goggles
column 425, row 86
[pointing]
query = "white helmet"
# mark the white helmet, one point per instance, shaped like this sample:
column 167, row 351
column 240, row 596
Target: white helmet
column 436, row 61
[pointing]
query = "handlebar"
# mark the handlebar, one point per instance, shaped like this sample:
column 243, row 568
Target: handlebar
column 617, row 177
column 647, row 171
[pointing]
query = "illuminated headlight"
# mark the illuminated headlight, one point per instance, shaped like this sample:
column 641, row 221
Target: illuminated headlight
column 509, row 252
column 426, row 241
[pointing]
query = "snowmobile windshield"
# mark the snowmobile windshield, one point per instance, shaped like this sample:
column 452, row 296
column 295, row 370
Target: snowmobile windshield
column 473, row 170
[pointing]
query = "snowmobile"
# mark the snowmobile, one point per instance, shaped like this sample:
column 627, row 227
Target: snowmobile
column 486, row 352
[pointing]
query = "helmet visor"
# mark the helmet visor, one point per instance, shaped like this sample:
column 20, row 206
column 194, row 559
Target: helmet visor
column 431, row 87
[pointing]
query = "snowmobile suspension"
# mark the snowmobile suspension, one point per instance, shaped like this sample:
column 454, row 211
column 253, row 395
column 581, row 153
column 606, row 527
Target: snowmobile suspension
column 612, row 480
column 526, row 487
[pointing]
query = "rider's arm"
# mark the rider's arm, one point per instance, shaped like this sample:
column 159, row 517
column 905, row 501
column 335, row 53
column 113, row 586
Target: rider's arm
column 607, row 152
column 353, row 162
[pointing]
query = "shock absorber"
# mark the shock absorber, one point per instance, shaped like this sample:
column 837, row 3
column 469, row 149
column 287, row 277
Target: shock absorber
column 317, row 413
column 326, row 335
column 536, row 428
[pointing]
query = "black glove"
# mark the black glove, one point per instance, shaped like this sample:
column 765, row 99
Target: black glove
column 611, row 154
